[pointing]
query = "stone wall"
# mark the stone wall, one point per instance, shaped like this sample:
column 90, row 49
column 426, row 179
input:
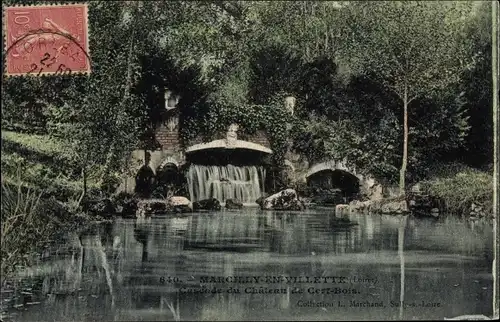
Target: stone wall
column 168, row 139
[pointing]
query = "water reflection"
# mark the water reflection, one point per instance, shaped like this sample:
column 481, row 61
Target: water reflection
column 153, row 269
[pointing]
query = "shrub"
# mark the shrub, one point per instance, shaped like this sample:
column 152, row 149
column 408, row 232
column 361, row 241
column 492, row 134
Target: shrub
column 29, row 223
column 459, row 191
column 21, row 225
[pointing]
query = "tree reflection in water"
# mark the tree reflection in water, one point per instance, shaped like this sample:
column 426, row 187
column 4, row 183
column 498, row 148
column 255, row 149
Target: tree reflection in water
column 113, row 272
column 141, row 234
column 401, row 238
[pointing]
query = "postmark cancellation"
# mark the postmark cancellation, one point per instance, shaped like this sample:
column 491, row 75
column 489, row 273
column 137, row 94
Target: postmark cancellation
column 46, row 40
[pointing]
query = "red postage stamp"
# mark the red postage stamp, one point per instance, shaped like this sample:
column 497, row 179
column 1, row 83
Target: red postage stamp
column 46, row 39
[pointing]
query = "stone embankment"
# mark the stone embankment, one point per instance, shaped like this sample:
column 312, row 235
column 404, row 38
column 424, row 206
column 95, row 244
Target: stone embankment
column 381, row 206
column 415, row 202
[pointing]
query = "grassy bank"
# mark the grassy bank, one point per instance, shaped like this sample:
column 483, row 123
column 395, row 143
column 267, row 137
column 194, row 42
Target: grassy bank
column 40, row 194
column 30, row 223
column 462, row 189
column 41, row 163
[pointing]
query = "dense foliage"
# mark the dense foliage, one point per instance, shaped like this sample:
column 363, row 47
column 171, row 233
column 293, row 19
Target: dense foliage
column 236, row 61
column 395, row 88
column 462, row 189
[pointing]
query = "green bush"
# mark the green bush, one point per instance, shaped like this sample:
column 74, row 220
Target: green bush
column 460, row 190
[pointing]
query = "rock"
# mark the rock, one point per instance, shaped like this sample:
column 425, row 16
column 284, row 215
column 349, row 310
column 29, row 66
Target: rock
column 435, row 212
column 379, row 206
column 307, row 202
column 394, row 207
column 341, row 209
column 477, row 210
column 178, row 201
column 376, row 192
column 233, row 204
column 207, row 204
column 141, row 212
column 283, row 200
column 179, row 204
column 361, row 206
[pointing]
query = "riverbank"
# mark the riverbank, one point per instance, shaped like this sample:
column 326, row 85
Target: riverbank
column 40, row 197
column 465, row 193
column 31, row 224
column 43, row 163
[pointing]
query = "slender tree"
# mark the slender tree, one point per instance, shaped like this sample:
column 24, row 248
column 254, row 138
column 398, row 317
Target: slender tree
column 414, row 48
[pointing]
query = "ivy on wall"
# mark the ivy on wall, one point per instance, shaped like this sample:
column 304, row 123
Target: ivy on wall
column 228, row 101
column 271, row 118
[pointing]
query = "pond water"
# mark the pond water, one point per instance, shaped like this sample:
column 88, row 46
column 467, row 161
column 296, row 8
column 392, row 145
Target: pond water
column 285, row 265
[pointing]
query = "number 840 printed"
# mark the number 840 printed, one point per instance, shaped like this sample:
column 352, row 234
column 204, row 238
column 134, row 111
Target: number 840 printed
column 169, row 279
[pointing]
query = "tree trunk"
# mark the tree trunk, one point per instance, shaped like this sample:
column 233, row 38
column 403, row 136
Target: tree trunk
column 112, row 148
column 84, row 175
column 84, row 192
column 402, row 171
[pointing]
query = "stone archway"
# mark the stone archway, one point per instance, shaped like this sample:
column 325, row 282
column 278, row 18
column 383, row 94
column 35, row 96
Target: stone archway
column 167, row 162
column 167, row 173
column 158, row 160
column 334, row 186
column 168, row 177
column 367, row 184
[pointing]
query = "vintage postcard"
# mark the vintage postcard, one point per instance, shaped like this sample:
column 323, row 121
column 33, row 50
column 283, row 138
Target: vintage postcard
column 249, row 160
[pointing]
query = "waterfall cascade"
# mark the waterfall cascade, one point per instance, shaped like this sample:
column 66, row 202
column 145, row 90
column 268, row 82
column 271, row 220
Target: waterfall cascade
column 245, row 183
